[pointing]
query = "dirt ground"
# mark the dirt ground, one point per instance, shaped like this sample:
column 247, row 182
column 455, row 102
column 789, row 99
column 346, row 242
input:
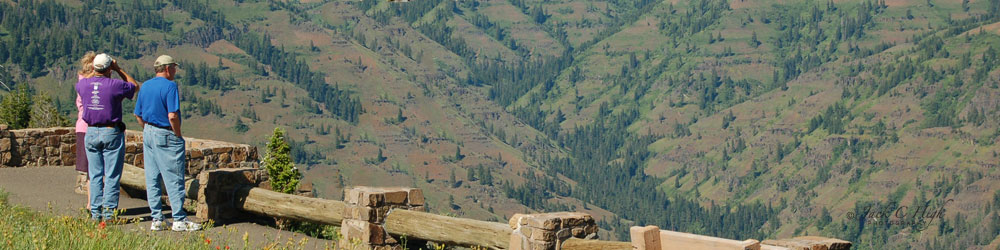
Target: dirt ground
column 50, row 190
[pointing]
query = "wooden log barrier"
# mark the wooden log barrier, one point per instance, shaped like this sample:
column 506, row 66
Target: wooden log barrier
column 270, row 203
column 810, row 242
column 448, row 230
column 250, row 199
column 679, row 240
column 582, row 244
column 237, row 187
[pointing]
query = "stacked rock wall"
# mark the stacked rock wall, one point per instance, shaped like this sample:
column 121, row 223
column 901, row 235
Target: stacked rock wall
column 549, row 230
column 365, row 212
column 37, row 147
column 57, row 147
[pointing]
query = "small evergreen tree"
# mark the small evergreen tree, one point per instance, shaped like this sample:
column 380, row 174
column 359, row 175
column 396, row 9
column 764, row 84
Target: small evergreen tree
column 380, row 157
column 15, row 108
column 338, row 138
column 471, row 174
column 44, row 114
column 283, row 175
column 240, row 127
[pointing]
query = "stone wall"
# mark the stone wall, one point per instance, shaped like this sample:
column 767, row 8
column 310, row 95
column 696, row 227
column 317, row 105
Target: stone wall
column 57, row 147
column 37, row 147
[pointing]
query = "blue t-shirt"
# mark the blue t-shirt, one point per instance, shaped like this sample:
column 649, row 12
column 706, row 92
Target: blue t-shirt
column 102, row 99
column 157, row 97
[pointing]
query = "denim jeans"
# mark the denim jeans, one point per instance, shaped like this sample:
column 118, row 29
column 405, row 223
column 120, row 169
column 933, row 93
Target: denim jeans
column 163, row 156
column 105, row 157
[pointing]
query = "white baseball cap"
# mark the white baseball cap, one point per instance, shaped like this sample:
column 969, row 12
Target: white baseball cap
column 102, row 61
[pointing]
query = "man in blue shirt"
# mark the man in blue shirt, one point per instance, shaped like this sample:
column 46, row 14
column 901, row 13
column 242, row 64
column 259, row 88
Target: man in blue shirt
column 157, row 108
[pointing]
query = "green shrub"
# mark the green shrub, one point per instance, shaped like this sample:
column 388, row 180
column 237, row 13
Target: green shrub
column 44, row 113
column 281, row 171
column 15, row 108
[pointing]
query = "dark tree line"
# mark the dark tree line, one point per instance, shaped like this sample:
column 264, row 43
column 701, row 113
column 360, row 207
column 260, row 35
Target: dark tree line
column 286, row 64
column 200, row 106
column 702, row 14
column 410, row 11
column 832, row 120
column 201, row 74
column 42, row 33
column 509, row 81
column 607, row 162
column 497, row 32
column 199, row 9
column 342, row 103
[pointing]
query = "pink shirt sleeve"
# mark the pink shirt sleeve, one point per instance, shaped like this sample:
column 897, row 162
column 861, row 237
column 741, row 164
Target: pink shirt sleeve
column 81, row 126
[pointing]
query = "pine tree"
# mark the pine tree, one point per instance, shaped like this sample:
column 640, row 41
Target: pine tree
column 15, row 108
column 4, row 53
column 824, row 218
column 281, row 171
column 44, row 114
column 994, row 224
column 485, row 177
column 338, row 138
column 240, row 127
column 381, row 157
column 458, row 153
column 471, row 174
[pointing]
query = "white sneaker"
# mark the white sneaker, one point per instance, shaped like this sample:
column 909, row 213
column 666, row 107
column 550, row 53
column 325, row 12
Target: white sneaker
column 185, row 225
column 158, row 225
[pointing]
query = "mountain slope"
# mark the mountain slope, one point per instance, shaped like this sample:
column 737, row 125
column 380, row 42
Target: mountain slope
column 742, row 119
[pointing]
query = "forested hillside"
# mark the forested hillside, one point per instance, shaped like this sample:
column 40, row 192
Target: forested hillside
column 733, row 118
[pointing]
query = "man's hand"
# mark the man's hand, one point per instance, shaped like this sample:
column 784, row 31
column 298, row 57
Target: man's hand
column 125, row 77
column 175, row 123
column 142, row 124
column 114, row 65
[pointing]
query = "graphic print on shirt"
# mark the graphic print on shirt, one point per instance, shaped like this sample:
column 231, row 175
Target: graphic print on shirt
column 95, row 100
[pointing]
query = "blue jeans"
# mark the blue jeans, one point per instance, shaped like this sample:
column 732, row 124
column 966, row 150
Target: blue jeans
column 105, row 157
column 163, row 156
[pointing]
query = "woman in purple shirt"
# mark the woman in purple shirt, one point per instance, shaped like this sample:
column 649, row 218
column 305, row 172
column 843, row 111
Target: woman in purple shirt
column 102, row 97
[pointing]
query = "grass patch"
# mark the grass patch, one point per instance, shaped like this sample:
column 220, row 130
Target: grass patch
column 27, row 229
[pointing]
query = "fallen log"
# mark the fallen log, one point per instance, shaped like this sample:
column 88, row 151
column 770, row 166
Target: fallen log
column 582, row 244
column 448, row 230
column 274, row 204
